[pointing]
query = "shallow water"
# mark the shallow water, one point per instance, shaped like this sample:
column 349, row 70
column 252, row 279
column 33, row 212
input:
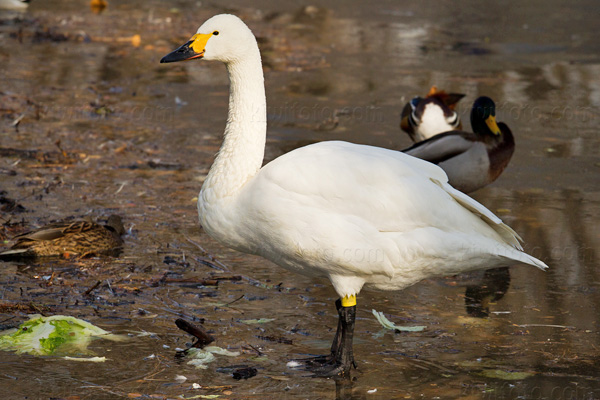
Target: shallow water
column 341, row 71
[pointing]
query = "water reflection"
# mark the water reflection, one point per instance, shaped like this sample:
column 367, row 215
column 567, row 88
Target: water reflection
column 369, row 59
column 489, row 288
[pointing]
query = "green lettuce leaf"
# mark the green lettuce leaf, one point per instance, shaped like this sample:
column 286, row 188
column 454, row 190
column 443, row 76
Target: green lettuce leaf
column 55, row 335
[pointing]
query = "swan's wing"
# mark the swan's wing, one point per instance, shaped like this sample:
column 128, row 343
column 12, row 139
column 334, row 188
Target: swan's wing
column 334, row 197
column 441, row 147
column 391, row 190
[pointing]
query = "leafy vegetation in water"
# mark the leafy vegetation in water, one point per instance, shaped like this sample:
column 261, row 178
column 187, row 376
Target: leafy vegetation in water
column 199, row 358
column 386, row 323
column 55, row 335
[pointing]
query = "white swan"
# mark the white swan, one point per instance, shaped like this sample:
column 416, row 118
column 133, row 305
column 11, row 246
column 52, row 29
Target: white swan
column 358, row 215
column 14, row 4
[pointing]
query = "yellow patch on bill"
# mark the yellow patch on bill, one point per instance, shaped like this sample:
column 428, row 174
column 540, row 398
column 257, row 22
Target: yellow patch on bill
column 199, row 41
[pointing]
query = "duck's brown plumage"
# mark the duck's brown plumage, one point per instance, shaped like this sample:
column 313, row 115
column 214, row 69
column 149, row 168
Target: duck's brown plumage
column 81, row 238
column 500, row 152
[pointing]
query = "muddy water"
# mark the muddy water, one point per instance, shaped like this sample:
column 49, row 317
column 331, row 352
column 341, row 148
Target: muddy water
column 138, row 138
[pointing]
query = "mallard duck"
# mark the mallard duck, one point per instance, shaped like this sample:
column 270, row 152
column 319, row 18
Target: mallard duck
column 423, row 118
column 471, row 160
column 14, row 4
column 360, row 216
column 73, row 238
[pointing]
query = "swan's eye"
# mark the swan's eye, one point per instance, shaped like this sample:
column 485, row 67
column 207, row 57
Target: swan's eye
column 215, row 33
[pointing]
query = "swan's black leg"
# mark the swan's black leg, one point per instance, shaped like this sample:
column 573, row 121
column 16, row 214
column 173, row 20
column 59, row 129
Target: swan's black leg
column 337, row 340
column 341, row 359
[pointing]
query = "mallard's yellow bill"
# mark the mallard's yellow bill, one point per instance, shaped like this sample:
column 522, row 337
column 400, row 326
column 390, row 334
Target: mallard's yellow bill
column 491, row 123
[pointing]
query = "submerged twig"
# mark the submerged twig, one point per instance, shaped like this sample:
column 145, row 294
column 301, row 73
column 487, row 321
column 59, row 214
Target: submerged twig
column 7, row 319
column 17, row 121
column 37, row 309
column 546, row 326
column 87, row 292
column 435, row 365
column 231, row 302
column 121, row 186
column 258, row 352
column 203, row 282
column 218, row 263
column 110, row 288
column 198, row 332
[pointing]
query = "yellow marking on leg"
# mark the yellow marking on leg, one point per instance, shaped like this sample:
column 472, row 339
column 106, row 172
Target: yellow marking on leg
column 349, row 301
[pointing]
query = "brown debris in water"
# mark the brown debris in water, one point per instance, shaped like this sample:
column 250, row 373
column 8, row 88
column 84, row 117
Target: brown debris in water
column 9, row 205
column 48, row 158
column 12, row 307
column 204, row 338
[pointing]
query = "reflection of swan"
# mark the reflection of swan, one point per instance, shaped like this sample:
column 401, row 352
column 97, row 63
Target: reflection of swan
column 14, row 4
column 358, row 215
column 471, row 160
column 491, row 287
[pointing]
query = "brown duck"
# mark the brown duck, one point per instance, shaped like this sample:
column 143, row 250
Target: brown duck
column 65, row 239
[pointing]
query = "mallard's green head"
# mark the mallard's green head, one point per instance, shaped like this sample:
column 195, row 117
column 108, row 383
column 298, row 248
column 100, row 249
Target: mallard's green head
column 483, row 117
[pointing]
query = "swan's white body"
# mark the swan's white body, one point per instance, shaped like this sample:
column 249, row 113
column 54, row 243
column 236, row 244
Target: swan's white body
column 13, row 4
column 358, row 215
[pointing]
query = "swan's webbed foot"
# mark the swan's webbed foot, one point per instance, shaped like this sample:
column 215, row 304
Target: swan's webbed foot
column 333, row 370
column 330, row 366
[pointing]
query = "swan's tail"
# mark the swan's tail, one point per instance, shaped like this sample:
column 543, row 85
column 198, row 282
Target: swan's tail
column 527, row 259
column 511, row 237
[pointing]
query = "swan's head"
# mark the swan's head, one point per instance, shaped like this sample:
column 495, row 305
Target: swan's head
column 223, row 37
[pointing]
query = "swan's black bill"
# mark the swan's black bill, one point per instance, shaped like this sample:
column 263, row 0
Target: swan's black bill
column 183, row 53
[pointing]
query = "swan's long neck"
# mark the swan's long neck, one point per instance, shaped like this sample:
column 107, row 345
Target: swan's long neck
column 243, row 148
